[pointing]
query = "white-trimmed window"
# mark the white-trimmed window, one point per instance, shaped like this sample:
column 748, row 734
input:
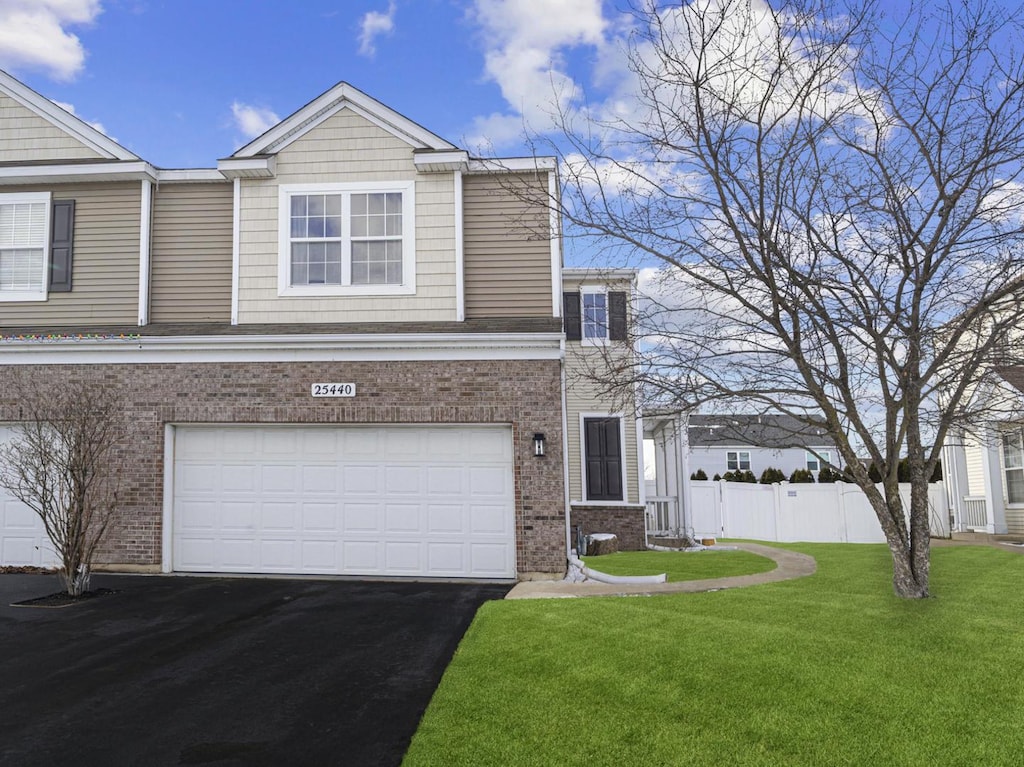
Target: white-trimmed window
column 24, row 245
column 594, row 315
column 738, row 460
column 347, row 239
column 814, row 463
column 1013, row 466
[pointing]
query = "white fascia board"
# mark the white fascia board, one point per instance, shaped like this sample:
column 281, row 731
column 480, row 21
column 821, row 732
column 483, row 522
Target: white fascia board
column 512, row 164
column 286, row 348
column 441, row 161
column 331, row 102
column 598, row 274
column 186, row 175
column 63, row 119
column 88, row 171
column 247, row 167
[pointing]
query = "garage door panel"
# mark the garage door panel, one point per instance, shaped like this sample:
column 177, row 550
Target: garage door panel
column 416, row 501
column 402, row 518
column 320, row 479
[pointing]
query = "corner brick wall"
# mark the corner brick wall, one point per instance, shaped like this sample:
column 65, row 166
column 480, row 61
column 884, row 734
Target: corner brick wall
column 523, row 393
column 626, row 522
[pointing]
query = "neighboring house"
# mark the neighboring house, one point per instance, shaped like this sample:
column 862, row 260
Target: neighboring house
column 721, row 443
column 683, row 444
column 604, row 433
column 341, row 349
column 984, row 471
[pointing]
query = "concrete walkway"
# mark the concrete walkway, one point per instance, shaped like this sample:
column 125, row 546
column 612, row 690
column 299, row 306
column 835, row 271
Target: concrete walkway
column 789, row 565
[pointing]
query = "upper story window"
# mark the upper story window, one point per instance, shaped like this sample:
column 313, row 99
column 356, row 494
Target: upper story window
column 24, row 245
column 595, row 316
column 347, row 239
column 814, row 462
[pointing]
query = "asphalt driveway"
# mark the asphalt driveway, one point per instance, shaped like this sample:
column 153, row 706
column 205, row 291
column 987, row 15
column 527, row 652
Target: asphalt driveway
column 224, row 671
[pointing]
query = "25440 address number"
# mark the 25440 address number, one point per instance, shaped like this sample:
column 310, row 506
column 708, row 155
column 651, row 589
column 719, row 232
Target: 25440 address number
column 333, row 390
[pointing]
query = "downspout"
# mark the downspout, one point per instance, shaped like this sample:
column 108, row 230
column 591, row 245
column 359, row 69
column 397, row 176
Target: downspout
column 565, row 461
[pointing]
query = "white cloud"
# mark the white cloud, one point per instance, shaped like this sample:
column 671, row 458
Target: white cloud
column 373, row 25
column 33, row 35
column 253, row 121
column 525, row 41
column 96, row 125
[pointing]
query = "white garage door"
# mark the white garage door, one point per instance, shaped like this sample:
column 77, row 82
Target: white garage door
column 23, row 540
column 406, row 501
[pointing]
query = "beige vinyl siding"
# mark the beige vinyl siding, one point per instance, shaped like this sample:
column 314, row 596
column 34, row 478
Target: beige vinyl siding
column 105, row 265
column 348, row 148
column 27, row 137
column 191, row 253
column 1015, row 520
column 506, row 246
column 584, row 396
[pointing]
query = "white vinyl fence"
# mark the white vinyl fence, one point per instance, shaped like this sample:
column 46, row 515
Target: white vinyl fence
column 825, row 513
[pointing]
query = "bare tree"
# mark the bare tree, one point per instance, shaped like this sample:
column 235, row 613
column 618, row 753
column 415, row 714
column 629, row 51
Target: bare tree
column 835, row 195
column 60, row 464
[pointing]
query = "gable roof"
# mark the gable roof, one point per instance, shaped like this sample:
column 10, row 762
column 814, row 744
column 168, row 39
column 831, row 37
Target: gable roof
column 63, row 120
column 341, row 96
column 771, row 431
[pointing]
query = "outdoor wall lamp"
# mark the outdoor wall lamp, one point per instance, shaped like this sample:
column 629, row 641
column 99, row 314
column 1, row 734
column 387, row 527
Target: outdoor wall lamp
column 538, row 445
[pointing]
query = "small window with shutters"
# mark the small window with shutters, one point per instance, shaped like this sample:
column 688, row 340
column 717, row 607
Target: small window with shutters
column 594, row 315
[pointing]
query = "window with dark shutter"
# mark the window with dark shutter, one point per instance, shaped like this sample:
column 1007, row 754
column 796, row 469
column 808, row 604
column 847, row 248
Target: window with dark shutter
column 571, row 316
column 616, row 315
column 61, row 242
column 603, row 459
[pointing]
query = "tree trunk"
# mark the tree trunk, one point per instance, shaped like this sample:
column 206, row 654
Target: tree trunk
column 910, row 548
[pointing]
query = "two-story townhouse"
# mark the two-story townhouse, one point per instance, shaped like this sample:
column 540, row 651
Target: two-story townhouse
column 340, row 351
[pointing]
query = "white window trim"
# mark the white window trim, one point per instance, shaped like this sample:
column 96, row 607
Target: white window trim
column 408, row 285
column 739, row 460
column 1003, row 468
column 820, row 458
column 593, row 290
column 583, row 459
column 25, row 295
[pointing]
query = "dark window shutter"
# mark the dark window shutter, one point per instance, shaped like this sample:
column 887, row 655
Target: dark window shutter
column 616, row 316
column 571, row 315
column 62, row 235
column 603, row 459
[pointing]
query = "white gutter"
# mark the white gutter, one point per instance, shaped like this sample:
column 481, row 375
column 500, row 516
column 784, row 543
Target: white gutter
column 565, row 460
column 460, row 277
column 236, row 212
column 145, row 237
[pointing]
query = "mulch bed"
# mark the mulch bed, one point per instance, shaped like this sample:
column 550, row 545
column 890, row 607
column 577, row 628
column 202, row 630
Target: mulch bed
column 27, row 570
column 63, row 599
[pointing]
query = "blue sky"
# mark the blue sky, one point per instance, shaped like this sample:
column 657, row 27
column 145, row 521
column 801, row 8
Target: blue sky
column 184, row 82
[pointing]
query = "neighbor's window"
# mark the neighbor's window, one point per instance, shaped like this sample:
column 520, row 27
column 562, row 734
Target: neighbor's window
column 24, row 228
column 814, row 463
column 738, row 460
column 1013, row 466
column 595, row 315
column 345, row 239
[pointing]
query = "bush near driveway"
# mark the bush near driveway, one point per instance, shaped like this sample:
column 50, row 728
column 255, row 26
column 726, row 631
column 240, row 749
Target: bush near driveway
column 832, row 669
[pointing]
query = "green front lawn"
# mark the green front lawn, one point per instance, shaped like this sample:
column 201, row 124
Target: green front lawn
column 826, row 670
column 681, row 565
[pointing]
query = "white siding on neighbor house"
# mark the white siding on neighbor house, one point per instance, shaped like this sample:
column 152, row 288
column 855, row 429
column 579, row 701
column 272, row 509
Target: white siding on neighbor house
column 975, row 468
column 343, row 149
column 714, row 460
column 27, row 137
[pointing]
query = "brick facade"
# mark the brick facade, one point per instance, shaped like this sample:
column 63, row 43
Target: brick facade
column 626, row 522
column 523, row 393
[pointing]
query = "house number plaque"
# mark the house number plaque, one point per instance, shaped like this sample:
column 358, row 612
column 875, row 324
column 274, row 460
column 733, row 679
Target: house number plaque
column 333, row 390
